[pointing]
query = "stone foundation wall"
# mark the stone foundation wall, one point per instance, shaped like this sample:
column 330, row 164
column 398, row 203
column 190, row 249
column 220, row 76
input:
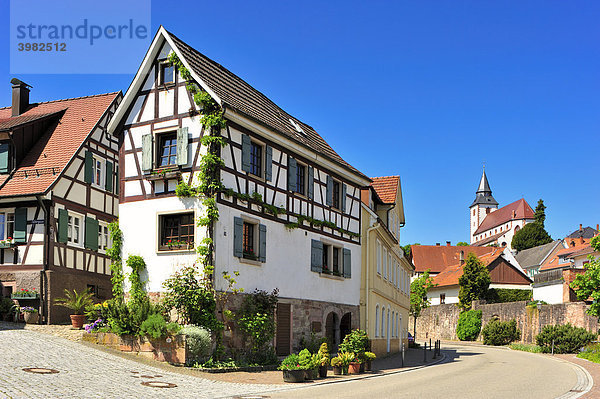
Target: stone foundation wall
column 439, row 322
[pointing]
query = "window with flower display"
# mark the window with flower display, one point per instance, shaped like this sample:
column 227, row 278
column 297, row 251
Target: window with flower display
column 176, row 232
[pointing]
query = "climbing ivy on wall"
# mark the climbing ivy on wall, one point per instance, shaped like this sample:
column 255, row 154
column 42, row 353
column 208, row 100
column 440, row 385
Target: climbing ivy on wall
column 116, row 267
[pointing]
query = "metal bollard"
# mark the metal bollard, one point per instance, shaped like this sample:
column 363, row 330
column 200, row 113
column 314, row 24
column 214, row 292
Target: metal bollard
column 425, row 352
column 402, row 355
column 434, row 349
column 429, row 344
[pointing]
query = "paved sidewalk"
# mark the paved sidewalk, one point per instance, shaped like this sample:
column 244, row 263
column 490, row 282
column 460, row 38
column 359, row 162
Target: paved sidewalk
column 592, row 368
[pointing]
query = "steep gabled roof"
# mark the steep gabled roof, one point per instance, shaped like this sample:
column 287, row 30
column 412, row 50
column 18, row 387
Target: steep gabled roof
column 517, row 210
column 537, row 255
column 386, row 188
column 584, row 232
column 72, row 121
column 438, row 257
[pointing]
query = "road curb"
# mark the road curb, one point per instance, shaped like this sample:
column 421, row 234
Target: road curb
column 585, row 382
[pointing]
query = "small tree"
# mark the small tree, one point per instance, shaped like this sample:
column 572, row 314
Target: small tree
column 540, row 213
column 462, row 244
column 531, row 235
column 407, row 249
column 587, row 285
column 418, row 296
column 473, row 283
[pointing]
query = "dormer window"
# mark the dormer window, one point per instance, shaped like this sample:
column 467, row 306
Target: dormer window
column 5, row 154
column 166, row 73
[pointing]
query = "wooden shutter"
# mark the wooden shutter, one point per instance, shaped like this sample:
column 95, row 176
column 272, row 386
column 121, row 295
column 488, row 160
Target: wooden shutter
column 262, row 243
column 91, row 234
column 268, row 163
column 316, row 256
column 292, row 174
column 182, row 146
column 344, row 190
column 117, row 183
column 109, row 176
column 4, row 151
column 246, row 144
column 238, row 237
column 284, row 329
column 329, row 199
column 147, row 152
column 20, row 235
column 347, row 263
column 63, row 225
column 88, row 175
column 311, row 183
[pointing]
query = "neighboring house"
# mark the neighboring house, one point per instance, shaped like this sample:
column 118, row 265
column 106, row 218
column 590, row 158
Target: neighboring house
column 283, row 160
column 57, row 196
column 492, row 226
column 503, row 274
column 386, row 272
column 532, row 259
column 437, row 258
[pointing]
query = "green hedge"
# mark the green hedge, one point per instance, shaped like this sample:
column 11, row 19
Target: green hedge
column 469, row 325
column 566, row 338
column 502, row 295
column 498, row 332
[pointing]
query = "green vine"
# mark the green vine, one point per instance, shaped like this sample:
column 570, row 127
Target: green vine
column 116, row 267
column 137, row 264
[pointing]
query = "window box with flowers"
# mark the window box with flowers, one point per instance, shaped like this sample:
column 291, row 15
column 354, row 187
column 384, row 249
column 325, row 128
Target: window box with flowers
column 8, row 243
column 175, row 244
column 25, row 294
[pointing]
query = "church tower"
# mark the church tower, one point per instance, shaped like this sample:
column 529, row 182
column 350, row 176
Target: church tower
column 483, row 205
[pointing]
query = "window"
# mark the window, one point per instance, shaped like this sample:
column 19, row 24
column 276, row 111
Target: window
column 256, row 159
column 378, row 257
column 377, row 320
column 103, row 237
column 300, row 179
column 5, row 157
column 167, row 150
column 385, row 259
column 336, row 260
column 326, row 257
column 382, row 322
column 7, row 225
column 336, row 195
column 167, row 73
column 92, row 289
column 75, row 229
column 98, row 172
column 249, row 235
column 176, row 232
column 442, row 299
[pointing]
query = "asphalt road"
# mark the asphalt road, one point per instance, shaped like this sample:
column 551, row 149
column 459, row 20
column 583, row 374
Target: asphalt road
column 468, row 372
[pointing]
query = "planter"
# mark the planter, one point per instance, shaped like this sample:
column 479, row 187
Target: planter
column 293, row 375
column 354, row 368
column 362, row 368
column 77, row 321
column 323, row 372
column 337, row 370
column 344, row 370
column 311, row 374
column 31, row 317
column 368, row 366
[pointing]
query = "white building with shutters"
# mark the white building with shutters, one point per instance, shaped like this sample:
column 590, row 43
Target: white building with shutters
column 58, row 194
column 291, row 220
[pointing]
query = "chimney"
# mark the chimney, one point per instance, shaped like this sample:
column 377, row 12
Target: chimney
column 597, row 227
column 462, row 258
column 447, row 243
column 20, row 96
column 437, row 244
column 581, row 240
column 580, row 227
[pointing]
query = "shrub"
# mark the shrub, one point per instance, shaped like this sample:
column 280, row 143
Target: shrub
column 305, row 359
column 313, row 343
column 469, row 325
column 6, row 306
column 526, row 348
column 566, row 338
column 498, row 332
column 502, row 295
column 257, row 322
column 290, row 363
column 591, row 353
column 324, row 354
column 75, row 301
column 154, row 326
column 336, row 362
column 357, row 341
column 198, row 341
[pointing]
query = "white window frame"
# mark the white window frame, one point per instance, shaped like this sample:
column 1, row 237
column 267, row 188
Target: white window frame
column 382, row 322
column 72, row 216
column 161, row 78
column 377, row 320
column 102, row 183
column 103, row 237
column 8, row 212
column 385, row 260
column 378, row 254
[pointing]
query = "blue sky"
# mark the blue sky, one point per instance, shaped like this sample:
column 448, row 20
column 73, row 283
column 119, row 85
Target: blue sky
column 427, row 90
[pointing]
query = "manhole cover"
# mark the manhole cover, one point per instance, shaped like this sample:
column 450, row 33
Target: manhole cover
column 158, row 384
column 39, row 370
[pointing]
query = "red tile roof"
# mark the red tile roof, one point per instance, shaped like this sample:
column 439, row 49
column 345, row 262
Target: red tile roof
column 438, row 257
column 521, row 209
column 75, row 119
column 452, row 273
column 386, row 188
column 555, row 261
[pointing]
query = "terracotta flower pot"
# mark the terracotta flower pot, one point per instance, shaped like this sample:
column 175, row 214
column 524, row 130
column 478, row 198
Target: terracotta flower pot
column 77, row 321
column 354, row 368
column 293, row 375
column 337, row 370
column 31, row 318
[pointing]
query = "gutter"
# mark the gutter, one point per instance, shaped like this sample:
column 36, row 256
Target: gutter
column 46, row 253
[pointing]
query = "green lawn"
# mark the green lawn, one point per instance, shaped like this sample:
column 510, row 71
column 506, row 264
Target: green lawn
column 591, row 353
column 526, row 348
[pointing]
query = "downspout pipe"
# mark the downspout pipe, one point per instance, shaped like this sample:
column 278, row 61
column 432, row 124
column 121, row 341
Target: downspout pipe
column 46, row 254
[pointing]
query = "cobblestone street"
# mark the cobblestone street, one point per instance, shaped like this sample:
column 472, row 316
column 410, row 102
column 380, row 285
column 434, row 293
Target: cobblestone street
column 86, row 372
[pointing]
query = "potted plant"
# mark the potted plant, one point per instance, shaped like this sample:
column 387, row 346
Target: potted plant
column 336, row 363
column 292, row 371
column 369, row 356
column 346, row 358
column 77, row 302
column 324, row 360
column 306, row 361
column 354, row 366
column 30, row 314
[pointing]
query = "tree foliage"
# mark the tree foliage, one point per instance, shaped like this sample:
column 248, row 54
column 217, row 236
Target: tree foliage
column 540, row 213
column 462, row 244
column 473, row 283
column 418, row 296
column 531, row 235
column 587, row 285
column 469, row 325
column 407, row 250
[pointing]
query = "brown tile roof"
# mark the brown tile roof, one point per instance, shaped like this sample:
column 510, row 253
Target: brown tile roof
column 386, row 188
column 521, row 209
column 7, row 123
column 554, row 262
column 74, row 120
column 438, row 257
column 452, row 273
column 242, row 97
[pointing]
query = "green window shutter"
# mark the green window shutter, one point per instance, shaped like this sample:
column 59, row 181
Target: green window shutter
column 89, row 167
column 246, row 144
column 311, row 182
column 20, row 235
column 238, row 237
column 262, row 242
column 117, row 180
column 347, row 263
column 268, row 163
column 182, row 146
column 63, row 225
column 109, row 176
column 4, row 151
column 91, row 234
column 344, row 190
column 147, row 152
column 329, row 199
column 292, row 174
column 316, row 256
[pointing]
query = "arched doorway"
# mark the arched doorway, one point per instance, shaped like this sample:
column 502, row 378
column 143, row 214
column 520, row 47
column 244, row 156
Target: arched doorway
column 345, row 325
column 332, row 330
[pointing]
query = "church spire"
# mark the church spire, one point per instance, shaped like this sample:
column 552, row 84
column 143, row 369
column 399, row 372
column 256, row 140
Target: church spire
column 483, row 195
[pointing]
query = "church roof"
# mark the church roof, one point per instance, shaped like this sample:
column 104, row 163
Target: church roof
column 483, row 195
column 519, row 209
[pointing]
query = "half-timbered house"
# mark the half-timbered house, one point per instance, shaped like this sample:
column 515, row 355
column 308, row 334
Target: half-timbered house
column 57, row 195
column 309, row 248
